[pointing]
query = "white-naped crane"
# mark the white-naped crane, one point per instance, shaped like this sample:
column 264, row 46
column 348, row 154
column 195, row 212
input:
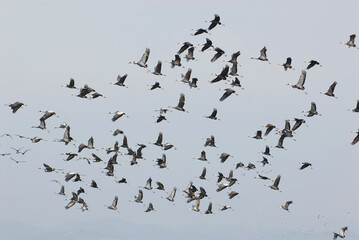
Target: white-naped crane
column 286, row 205
column 199, row 31
column 113, row 206
column 288, row 64
column 263, row 55
column 117, row 115
column 184, row 47
column 330, row 91
column 216, row 21
column 190, row 53
column 275, row 185
column 227, row 93
column 351, row 42
column 341, row 234
column 313, row 110
column 312, row 63
column 222, row 76
column 219, row 53
column 207, row 45
column 121, row 80
column 213, row 115
column 305, row 165
column 15, row 106
column 157, row 69
column 143, row 60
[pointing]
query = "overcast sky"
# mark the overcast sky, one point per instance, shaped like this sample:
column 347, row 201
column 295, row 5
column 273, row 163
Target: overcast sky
column 45, row 43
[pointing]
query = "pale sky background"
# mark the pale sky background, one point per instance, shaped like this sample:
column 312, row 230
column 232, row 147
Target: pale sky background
column 45, row 43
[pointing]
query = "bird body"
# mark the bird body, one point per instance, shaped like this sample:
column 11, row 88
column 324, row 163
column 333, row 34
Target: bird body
column 144, row 58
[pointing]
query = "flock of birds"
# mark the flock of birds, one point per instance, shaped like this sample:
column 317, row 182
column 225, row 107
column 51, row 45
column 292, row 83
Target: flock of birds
column 192, row 193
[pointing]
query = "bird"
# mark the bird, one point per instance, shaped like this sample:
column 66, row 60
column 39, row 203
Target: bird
column 234, row 70
column 150, row 208
column 267, row 151
column 116, row 132
column 330, row 91
column 67, row 138
column 262, row 177
column 71, row 83
column 203, row 156
column 232, row 194
column 62, row 190
column 193, row 83
column 274, row 186
column 187, row 76
column 298, row 123
column 161, row 162
column 160, row 186
column 184, row 47
column 139, row 197
column 47, row 114
column 224, row 157
column 189, row 55
column 213, row 115
column 305, row 165
column 199, row 31
column 214, row 22
column 301, row 81
column 341, row 234
column 207, row 45
column 239, row 165
column 209, row 209
column 313, row 110
column 234, row 57
column 312, row 63
column 180, row 104
column 280, row 142
column 222, row 76
column 351, row 42
column 269, row 127
column 286, row 205
column 148, row 184
column 93, row 184
column 113, row 206
column 157, row 70
column 160, row 118
column 356, row 139
column 71, row 175
column 15, row 106
column 287, row 64
column 176, row 62
column 356, row 109
column 263, row 56
column 143, row 60
column 219, row 53
column 48, row 168
column 172, row 195
column 258, row 135
column 70, row 156
column 121, row 80
column 227, row 93
column 159, row 140
column 210, row 142
column 117, row 115
column 203, row 174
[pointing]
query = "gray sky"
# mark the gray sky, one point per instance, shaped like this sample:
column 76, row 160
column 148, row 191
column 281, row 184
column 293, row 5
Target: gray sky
column 45, row 43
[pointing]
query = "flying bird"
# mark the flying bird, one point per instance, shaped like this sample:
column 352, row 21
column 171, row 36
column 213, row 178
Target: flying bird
column 330, row 91
column 227, row 93
column 207, row 45
column 15, row 106
column 263, row 56
column 341, row 234
column 219, row 53
column 143, row 60
column 305, row 165
column 214, row 22
column 288, row 64
column 312, row 63
column 184, row 47
column 286, row 205
column 351, row 42
column 199, row 31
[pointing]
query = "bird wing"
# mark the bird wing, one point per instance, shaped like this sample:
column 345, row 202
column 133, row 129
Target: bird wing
column 204, row 171
column 145, row 56
column 302, row 78
column 289, row 61
column 214, row 113
column 226, row 94
column 158, row 67
column 159, row 139
column 263, row 52
column 276, row 181
column 72, row 83
column 114, row 203
column 313, row 106
column 181, row 101
column 224, row 72
column 332, row 87
column 187, row 76
column 148, row 183
column 287, row 204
